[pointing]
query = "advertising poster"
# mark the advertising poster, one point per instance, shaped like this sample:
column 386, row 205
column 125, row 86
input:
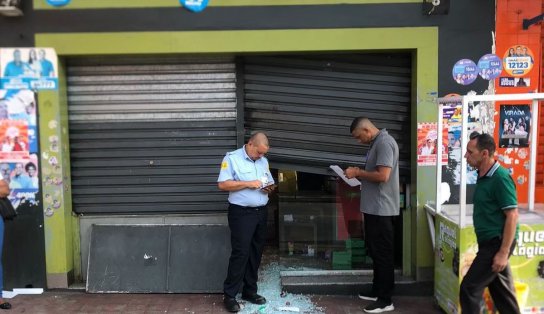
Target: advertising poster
column 28, row 68
column 452, row 118
column 427, row 140
column 465, row 72
column 526, row 263
column 18, row 157
column 446, row 270
column 514, row 130
column 490, row 66
column 518, row 60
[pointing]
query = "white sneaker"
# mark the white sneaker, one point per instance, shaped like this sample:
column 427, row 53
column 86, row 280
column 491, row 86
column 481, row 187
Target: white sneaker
column 379, row 307
column 367, row 296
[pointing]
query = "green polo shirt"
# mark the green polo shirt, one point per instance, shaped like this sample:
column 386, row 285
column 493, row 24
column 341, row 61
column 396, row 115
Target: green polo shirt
column 495, row 192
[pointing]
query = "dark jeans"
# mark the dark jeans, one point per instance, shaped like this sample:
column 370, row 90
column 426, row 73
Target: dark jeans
column 379, row 238
column 247, row 238
column 480, row 275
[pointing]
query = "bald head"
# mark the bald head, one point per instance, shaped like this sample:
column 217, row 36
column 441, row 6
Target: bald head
column 257, row 145
column 259, row 139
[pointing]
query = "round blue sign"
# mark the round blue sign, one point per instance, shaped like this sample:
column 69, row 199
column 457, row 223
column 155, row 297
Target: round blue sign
column 465, row 71
column 490, row 66
column 194, row 5
column 58, row 3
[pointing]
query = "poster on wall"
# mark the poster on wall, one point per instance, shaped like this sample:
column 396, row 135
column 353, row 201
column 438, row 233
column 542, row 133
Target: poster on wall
column 518, row 60
column 451, row 170
column 515, row 82
column 18, row 156
column 490, row 66
column 427, row 140
column 515, row 126
column 465, row 72
column 28, row 68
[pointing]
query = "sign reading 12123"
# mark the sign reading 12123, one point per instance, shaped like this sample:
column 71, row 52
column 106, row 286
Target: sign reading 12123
column 58, row 3
column 194, row 5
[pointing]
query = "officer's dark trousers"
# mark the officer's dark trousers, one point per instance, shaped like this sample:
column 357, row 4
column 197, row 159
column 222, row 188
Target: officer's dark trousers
column 247, row 237
column 380, row 239
column 480, row 275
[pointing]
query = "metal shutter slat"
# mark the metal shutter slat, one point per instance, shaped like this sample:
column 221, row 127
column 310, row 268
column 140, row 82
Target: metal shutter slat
column 149, row 134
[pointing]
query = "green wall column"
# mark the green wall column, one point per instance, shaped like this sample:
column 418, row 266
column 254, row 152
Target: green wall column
column 60, row 225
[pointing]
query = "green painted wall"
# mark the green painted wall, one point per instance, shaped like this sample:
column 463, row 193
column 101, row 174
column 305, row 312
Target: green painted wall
column 94, row 4
column 422, row 41
column 59, row 225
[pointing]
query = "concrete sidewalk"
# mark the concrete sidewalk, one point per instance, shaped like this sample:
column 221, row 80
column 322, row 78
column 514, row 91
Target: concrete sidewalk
column 67, row 301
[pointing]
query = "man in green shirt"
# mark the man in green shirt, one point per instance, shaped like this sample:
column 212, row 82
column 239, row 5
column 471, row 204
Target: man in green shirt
column 496, row 226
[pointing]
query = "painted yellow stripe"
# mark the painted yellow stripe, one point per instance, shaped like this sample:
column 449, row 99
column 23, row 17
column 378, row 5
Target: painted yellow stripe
column 98, row 4
column 236, row 41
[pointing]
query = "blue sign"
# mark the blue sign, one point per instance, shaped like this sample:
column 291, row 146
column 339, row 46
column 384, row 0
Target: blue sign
column 58, row 3
column 465, row 71
column 194, row 5
column 490, row 66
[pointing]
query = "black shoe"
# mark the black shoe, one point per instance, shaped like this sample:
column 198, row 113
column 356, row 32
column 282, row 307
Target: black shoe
column 254, row 298
column 231, row 304
column 368, row 295
column 5, row 306
column 379, row 306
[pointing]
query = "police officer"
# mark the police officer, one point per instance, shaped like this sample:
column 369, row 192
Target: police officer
column 245, row 174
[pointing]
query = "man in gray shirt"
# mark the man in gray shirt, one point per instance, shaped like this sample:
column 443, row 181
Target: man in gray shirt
column 380, row 205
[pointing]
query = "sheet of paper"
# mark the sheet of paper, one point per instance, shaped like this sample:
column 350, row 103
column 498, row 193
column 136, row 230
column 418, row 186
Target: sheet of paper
column 340, row 173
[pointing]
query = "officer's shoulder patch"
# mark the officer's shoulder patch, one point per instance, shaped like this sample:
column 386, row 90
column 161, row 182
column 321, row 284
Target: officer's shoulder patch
column 224, row 165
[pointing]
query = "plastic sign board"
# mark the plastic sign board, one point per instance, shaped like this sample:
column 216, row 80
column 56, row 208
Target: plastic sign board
column 490, row 66
column 518, row 60
column 58, row 3
column 465, row 71
column 194, row 5
column 28, row 68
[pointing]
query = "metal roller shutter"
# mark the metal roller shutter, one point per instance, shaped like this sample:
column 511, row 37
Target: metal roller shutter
column 148, row 135
column 306, row 105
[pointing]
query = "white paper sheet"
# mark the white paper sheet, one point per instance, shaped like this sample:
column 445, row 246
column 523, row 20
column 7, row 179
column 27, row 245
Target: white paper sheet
column 340, row 173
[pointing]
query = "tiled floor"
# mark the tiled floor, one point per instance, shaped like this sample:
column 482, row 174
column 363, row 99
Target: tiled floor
column 65, row 302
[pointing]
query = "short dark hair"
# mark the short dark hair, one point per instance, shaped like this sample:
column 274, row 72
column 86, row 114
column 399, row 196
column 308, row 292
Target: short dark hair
column 356, row 122
column 484, row 141
column 30, row 165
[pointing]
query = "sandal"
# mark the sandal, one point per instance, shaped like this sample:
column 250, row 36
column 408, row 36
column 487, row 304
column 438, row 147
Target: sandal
column 5, row 306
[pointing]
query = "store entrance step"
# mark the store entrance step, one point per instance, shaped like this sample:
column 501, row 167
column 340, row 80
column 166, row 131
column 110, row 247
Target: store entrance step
column 334, row 282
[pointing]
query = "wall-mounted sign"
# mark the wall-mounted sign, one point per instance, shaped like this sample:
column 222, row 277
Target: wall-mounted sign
column 194, row 5
column 465, row 71
column 28, row 68
column 518, row 60
column 490, row 66
column 58, row 3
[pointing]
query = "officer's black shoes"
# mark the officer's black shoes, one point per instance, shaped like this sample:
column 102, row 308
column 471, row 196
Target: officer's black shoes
column 254, row 298
column 231, row 304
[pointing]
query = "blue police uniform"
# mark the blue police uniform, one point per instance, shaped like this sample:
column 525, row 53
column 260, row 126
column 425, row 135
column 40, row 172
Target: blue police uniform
column 247, row 218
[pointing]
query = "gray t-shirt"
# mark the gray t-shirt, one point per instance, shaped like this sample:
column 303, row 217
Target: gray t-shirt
column 382, row 199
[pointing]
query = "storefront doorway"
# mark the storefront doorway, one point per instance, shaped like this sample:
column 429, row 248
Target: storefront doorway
column 305, row 103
